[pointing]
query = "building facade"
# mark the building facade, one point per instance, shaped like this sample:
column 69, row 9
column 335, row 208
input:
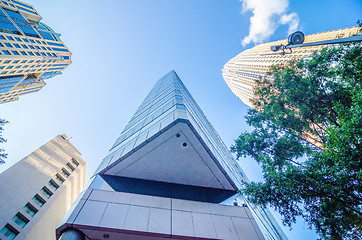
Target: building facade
column 241, row 71
column 30, row 51
column 165, row 177
column 38, row 190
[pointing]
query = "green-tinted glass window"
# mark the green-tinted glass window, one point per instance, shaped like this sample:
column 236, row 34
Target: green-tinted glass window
column 70, row 167
column 30, row 209
column 38, row 200
column 66, row 174
column 46, row 192
column 20, row 220
column 9, row 231
column 75, row 162
column 59, row 178
column 53, row 185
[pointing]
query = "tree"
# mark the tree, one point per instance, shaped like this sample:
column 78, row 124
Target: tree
column 315, row 101
column 2, row 154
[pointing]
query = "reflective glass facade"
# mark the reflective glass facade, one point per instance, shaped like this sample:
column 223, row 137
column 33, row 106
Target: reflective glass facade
column 30, row 51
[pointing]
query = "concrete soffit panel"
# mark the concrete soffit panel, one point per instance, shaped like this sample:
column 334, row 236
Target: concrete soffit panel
column 176, row 154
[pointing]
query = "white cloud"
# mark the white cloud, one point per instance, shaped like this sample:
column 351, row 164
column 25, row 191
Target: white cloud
column 268, row 15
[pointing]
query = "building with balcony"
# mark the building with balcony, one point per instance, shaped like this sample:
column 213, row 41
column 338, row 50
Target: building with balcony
column 38, row 190
column 30, row 51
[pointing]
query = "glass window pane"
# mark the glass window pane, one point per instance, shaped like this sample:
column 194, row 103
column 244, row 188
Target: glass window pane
column 46, row 192
column 30, row 209
column 38, row 200
column 20, row 220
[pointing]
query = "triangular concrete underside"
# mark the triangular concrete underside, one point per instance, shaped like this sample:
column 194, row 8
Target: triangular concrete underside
column 176, row 155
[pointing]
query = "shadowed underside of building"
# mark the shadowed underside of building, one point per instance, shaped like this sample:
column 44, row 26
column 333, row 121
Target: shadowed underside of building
column 164, row 178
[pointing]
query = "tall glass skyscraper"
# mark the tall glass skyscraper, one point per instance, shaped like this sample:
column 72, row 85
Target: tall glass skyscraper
column 30, row 51
column 165, row 178
column 241, row 71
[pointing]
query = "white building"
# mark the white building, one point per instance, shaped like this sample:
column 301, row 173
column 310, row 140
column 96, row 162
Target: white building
column 164, row 178
column 37, row 191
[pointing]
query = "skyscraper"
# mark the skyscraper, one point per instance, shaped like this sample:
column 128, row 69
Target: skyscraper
column 165, row 177
column 30, row 51
column 38, row 190
column 241, row 71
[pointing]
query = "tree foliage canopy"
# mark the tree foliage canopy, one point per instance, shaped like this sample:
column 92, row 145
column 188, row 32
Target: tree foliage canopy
column 2, row 154
column 317, row 101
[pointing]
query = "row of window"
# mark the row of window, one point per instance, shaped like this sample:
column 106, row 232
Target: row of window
column 22, row 40
column 9, row 231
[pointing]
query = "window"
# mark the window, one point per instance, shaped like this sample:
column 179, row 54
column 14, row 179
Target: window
column 9, row 67
column 6, row 52
column 30, row 209
column 23, row 53
column 2, row 37
column 59, row 178
column 1, row 67
column 23, row 45
column 15, row 61
column 9, row 231
column 30, row 53
column 24, row 61
column 17, row 45
column 37, row 61
column 7, row 61
column 10, row 38
column 31, row 40
column 43, row 48
column 20, row 220
column 75, row 162
column 66, row 174
column 18, row 39
column 37, row 41
column 38, row 200
column 31, row 61
column 15, row 53
column 11, row 72
column 8, row 45
column 1, row 45
column 31, row 47
column 26, row 40
column 46, row 192
column 18, row 66
column 70, row 167
column 53, row 185
column 37, row 53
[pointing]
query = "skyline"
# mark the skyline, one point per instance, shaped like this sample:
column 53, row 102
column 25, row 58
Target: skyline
column 131, row 44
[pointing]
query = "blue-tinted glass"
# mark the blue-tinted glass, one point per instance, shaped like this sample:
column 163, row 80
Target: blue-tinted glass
column 56, row 44
column 8, row 45
column 60, row 49
column 18, row 39
column 15, row 52
column 27, row 10
column 6, row 52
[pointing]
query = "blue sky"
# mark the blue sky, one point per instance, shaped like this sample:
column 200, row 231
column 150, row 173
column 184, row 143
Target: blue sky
column 122, row 47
